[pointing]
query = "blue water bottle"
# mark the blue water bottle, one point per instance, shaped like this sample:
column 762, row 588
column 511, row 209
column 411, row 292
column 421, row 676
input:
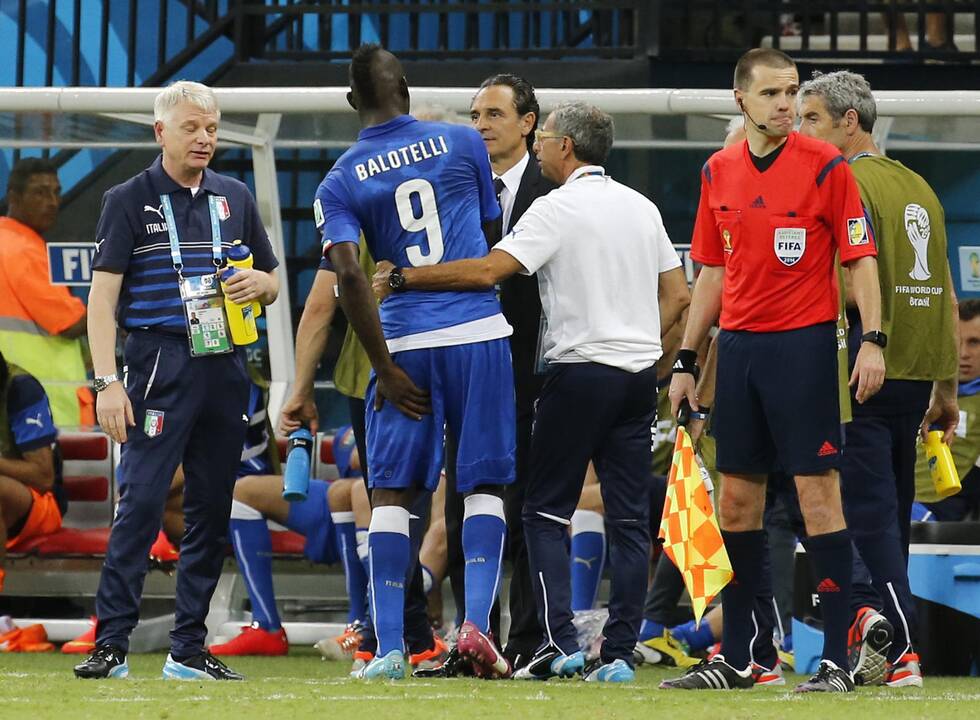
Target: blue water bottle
column 296, row 480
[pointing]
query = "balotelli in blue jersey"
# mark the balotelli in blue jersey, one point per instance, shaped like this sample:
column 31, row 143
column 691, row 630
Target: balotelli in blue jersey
column 420, row 192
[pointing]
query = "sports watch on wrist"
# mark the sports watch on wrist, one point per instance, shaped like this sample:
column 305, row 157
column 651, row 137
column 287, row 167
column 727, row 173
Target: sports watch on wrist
column 396, row 281
column 102, row 382
column 875, row 336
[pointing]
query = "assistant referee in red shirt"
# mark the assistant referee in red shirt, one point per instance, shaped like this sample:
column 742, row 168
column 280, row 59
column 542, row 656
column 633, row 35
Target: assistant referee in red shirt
column 774, row 211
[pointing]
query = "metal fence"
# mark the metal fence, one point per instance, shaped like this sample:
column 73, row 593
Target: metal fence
column 899, row 31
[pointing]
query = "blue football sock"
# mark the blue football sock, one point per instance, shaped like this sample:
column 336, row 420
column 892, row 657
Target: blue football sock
column 695, row 638
column 388, row 551
column 484, row 535
column 253, row 549
column 354, row 572
column 650, row 629
column 588, row 557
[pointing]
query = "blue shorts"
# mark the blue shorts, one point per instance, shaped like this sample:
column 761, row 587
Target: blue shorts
column 472, row 394
column 311, row 519
column 777, row 404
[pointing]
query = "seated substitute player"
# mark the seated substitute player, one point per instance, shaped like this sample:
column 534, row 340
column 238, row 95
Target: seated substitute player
column 964, row 505
column 32, row 500
column 420, row 192
column 325, row 519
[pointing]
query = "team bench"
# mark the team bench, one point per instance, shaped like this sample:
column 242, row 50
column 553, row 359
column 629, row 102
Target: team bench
column 66, row 564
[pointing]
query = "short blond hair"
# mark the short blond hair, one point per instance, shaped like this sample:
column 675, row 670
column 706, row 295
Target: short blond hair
column 201, row 96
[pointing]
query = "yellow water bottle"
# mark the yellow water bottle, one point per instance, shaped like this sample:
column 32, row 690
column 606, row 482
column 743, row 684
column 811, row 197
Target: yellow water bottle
column 241, row 318
column 240, row 256
column 941, row 466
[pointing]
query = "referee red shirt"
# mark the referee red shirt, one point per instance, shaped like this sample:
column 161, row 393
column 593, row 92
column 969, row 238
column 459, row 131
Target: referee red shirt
column 776, row 233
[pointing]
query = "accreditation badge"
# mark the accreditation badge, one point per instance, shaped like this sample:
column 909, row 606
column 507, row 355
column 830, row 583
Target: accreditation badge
column 204, row 316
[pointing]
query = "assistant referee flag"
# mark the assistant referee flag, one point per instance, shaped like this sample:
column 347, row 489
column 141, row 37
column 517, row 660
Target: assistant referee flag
column 690, row 531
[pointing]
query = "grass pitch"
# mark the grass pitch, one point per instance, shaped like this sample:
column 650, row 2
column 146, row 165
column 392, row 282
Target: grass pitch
column 33, row 687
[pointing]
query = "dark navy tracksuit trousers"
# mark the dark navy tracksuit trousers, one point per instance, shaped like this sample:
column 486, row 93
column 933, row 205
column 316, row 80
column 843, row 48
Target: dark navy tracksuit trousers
column 203, row 402
column 588, row 411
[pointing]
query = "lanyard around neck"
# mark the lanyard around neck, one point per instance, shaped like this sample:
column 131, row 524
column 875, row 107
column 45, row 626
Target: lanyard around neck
column 168, row 214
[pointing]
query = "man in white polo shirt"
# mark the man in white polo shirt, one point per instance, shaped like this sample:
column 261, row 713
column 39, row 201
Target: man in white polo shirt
column 609, row 279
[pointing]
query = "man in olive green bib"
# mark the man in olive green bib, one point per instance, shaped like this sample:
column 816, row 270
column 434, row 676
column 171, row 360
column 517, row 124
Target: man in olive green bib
column 918, row 333
column 966, row 449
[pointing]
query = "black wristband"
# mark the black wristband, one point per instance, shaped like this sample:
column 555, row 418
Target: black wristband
column 686, row 362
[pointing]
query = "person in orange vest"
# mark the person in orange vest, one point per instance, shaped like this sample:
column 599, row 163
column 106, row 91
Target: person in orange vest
column 41, row 324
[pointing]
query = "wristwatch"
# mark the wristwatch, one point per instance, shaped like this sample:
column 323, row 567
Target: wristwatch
column 875, row 336
column 101, row 383
column 396, row 281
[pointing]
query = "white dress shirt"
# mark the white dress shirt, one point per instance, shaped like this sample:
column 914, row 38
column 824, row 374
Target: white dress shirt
column 512, row 181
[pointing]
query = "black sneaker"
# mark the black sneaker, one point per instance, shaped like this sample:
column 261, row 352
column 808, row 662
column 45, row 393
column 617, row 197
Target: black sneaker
column 549, row 662
column 714, row 674
column 200, row 667
column 518, row 655
column 455, row 665
column 828, row 678
column 106, row 661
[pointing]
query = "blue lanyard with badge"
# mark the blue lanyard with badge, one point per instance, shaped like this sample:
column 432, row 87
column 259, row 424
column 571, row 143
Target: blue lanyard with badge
column 201, row 296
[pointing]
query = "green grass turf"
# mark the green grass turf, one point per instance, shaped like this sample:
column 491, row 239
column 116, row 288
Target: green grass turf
column 300, row 686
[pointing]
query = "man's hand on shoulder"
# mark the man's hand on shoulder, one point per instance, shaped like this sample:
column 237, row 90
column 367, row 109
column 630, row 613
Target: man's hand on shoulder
column 397, row 387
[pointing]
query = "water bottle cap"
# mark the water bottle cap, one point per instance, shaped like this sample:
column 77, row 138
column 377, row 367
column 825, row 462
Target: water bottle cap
column 303, row 433
column 238, row 251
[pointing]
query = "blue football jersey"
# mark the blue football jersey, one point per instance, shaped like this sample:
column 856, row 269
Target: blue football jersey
column 420, row 192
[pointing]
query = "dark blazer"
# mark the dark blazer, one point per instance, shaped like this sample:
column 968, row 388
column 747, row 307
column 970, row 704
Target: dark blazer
column 520, row 300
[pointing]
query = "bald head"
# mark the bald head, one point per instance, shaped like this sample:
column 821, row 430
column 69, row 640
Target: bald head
column 377, row 81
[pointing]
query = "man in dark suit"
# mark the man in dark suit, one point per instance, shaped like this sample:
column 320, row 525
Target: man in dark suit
column 505, row 112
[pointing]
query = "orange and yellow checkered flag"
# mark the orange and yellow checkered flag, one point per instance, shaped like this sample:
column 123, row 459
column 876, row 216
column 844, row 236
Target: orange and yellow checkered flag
column 690, row 531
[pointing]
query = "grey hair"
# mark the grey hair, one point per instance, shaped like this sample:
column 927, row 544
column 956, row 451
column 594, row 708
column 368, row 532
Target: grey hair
column 590, row 129
column 188, row 91
column 842, row 91
column 736, row 123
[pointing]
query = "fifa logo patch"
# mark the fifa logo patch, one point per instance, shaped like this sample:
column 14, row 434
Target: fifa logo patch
column 789, row 244
column 224, row 212
column 857, row 231
column 153, row 423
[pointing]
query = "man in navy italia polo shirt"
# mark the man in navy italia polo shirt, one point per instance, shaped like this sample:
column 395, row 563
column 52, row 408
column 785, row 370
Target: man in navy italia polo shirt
column 183, row 393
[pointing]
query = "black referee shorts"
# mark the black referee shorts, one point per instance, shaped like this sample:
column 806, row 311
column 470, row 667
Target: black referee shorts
column 777, row 402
